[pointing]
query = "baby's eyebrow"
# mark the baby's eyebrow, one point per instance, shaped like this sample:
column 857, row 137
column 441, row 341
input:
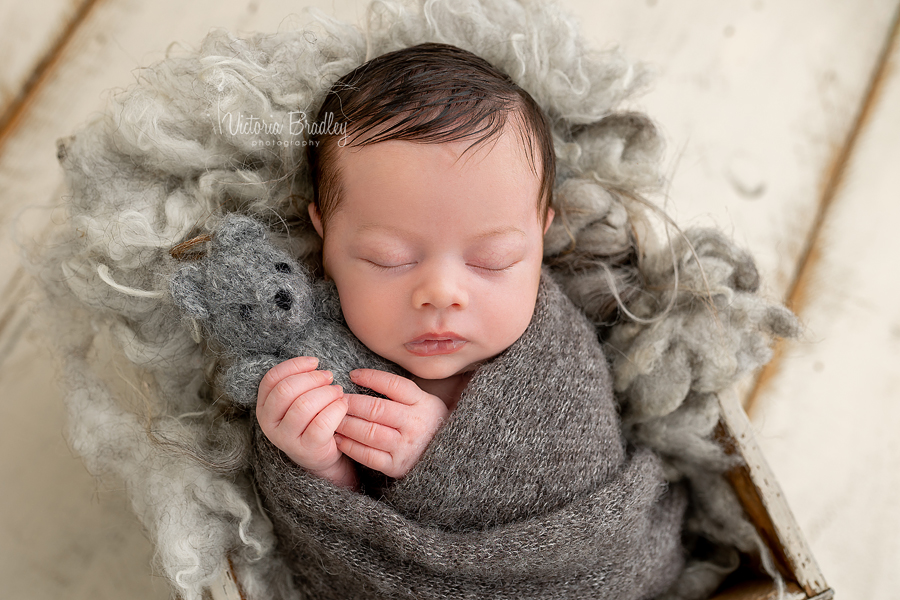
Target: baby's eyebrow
column 490, row 233
column 383, row 227
column 499, row 232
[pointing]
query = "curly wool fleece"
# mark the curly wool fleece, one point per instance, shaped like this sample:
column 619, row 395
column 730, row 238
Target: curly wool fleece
column 159, row 167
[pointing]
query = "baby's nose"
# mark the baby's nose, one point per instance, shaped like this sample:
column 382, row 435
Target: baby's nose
column 441, row 288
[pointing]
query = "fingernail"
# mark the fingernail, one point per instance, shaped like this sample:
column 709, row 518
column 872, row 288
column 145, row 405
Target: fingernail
column 338, row 438
column 328, row 375
column 354, row 373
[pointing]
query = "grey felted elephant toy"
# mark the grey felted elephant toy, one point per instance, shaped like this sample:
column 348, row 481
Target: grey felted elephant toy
column 263, row 308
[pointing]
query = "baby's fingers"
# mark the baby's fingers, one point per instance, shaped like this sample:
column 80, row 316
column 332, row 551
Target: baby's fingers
column 281, row 397
column 294, row 366
column 369, row 433
column 320, row 432
column 399, row 389
column 366, row 455
column 378, row 410
column 305, row 409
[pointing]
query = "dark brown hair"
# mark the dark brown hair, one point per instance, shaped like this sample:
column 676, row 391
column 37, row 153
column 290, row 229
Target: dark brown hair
column 430, row 93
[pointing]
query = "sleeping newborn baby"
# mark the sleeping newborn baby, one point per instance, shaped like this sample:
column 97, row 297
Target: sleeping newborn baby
column 507, row 473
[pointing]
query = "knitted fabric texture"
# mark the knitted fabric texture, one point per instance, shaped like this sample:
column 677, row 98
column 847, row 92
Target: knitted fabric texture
column 162, row 165
column 525, row 492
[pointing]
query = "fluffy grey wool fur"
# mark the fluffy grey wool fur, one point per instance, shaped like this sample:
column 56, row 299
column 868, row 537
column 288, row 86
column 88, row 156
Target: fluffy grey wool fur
column 161, row 166
column 525, row 492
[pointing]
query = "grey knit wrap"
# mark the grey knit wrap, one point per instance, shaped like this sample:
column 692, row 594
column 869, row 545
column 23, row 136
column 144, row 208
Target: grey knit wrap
column 527, row 491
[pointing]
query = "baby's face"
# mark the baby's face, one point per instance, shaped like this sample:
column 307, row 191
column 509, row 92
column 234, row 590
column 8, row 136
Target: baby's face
column 436, row 255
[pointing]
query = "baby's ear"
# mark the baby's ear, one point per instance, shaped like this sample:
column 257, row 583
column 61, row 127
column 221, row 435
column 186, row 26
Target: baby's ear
column 186, row 288
column 238, row 230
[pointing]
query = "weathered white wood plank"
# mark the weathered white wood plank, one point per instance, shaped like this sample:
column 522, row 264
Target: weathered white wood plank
column 755, row 97
column 61, row 536
column 764, row 501
column 765, row 591
column 829, row 419
column 29, row 32
column 225, row 587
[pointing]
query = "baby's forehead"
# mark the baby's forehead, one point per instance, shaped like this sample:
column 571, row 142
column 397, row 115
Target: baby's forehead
column 465, row 141
column 499, row 157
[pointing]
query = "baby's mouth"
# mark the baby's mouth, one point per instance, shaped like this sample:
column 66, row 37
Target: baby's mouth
column 433, row 344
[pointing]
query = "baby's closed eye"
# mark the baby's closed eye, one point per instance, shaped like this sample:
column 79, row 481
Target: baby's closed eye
column 388, row 265
column 382, row 254
column 498, row 258
column 493, row 266
column 385, row 258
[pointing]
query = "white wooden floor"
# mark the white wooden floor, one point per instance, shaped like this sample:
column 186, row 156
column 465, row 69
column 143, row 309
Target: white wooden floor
column 784, row 125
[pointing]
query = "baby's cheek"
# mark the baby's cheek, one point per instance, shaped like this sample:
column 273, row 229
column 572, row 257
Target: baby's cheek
column 367, row 319
column 512, row 315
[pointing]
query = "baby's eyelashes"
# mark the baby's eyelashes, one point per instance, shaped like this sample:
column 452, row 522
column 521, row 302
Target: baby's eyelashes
column 388, row 265
column 384, row 255
column 482, row 266
column 494, row 268
column 496, row 258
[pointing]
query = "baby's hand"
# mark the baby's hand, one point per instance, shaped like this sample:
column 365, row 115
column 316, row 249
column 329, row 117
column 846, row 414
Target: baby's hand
column 389, row 435
column 298, row 409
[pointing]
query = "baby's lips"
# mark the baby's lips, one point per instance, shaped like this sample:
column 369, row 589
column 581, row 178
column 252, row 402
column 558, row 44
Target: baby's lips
column 435, row 346
column 437, row 335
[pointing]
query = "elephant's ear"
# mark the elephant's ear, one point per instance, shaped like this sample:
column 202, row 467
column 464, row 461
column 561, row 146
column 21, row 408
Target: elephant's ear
column 187, row 290
column 239, row 230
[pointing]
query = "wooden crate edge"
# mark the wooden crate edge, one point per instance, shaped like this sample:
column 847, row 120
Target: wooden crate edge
column 764, row 501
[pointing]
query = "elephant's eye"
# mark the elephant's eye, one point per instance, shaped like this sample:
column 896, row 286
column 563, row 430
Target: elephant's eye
column 283, row 267
column 246, row 311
